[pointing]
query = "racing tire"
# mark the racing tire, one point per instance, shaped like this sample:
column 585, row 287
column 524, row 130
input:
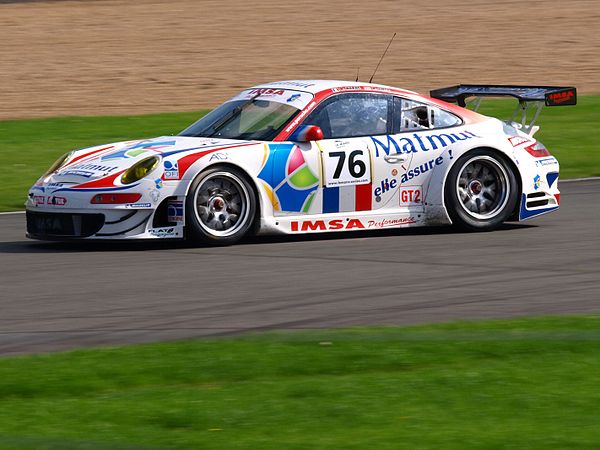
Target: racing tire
column 220, row 207
column 481, row 191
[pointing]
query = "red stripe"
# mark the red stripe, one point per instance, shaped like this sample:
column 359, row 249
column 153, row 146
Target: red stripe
column 105, row 182
column 79, row 158
column 363, row 197
column 185, row 162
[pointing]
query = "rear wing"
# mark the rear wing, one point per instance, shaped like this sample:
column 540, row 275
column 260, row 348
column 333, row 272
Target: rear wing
column 528, row 96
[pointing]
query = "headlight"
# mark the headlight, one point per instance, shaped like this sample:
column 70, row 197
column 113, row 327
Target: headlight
column 140, row 169
column 64, row 159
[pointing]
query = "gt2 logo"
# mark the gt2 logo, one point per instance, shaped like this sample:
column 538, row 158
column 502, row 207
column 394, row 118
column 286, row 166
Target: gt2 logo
column 411, row 195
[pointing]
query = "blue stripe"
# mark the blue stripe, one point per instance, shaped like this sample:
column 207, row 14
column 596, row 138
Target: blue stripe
column 116, row 188
column 528, row 213
column 331, row 200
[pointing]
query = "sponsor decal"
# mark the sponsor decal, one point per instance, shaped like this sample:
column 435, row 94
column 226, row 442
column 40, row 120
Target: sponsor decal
column 138, row 205
column 411, row 196
column 326, row 225
column 300, row 116
column 341, row 144
column 163, row 232
column 287, row 179
column 386, row 223
column 421, row 169
column 346, row 88
column 294, row 83
column 158, row 183
column 293, row 98
column 264, row 92
column 417, row 142
column 561, row 98
column 38, row 200
column 546, row 161
column 77, row 173
column 175, row 211
column 537, row 182
column 219, row 157
column 385, row 186
column 361, row 88
column 57, row 201
column 88, row 170
column 171, row 170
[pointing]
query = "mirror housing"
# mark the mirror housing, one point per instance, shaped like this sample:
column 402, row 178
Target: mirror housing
column 307, row 133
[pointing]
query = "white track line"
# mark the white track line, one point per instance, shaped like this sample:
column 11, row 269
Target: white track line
column 11, row 212
column 570, row 180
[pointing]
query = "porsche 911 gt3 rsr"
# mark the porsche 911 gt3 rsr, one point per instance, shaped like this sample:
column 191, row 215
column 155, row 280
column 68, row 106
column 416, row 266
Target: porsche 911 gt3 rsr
column 305, row 157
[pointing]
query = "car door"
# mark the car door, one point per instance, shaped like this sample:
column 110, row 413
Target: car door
column 348, row 121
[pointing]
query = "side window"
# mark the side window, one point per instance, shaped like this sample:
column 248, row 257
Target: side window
column 410, row 115
column 352, row 115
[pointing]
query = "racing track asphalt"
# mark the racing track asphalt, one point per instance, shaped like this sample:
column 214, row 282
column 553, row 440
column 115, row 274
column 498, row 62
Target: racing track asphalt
column 56, row 296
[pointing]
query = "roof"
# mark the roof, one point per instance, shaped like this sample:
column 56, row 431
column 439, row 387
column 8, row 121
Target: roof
column 316, row 86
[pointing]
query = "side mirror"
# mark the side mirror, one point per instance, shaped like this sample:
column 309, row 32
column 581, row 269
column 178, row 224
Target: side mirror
column 307, row 133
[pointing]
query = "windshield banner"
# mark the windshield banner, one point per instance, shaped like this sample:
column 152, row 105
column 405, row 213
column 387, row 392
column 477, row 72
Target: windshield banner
column 297, row 99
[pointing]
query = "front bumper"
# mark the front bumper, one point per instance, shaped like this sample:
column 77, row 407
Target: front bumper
column 101, row 224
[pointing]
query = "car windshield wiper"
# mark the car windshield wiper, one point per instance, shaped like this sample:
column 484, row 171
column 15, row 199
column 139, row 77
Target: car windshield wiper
column 227, row 118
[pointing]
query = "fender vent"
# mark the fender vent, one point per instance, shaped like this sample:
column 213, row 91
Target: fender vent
column 161, row 215
column 537, row 203
column 536, row 195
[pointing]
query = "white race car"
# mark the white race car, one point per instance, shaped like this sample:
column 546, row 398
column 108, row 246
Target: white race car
column 307, row 157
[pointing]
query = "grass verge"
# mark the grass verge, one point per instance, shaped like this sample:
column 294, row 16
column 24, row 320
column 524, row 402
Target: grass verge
column 525, row 383
column 29, row 147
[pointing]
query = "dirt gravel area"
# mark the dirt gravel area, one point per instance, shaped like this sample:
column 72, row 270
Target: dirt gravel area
column 116, row 57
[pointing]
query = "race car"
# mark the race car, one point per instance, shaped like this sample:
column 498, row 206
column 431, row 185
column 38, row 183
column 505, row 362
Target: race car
column 310, row 156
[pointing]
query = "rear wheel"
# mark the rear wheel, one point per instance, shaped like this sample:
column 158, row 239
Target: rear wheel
column 481, row 191
column 220, row 207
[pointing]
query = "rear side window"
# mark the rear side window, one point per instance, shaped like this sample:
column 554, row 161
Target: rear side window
column 352, row 115
column 410, row 115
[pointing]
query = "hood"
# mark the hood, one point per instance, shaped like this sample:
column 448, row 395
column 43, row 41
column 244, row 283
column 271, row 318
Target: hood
column 113, row 159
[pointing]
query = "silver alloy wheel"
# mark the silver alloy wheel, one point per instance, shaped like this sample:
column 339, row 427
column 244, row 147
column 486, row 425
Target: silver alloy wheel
column 482, row 187
column 221, row 204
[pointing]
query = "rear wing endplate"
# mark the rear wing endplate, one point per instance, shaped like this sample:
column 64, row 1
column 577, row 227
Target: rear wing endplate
column 528, row 96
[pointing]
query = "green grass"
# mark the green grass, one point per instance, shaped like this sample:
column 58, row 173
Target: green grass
column 518, row 384
column 28, row 147
column 571, row 133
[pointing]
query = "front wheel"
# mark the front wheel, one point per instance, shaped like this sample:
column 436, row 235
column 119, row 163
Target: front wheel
column 481, row 191
column 220, row 207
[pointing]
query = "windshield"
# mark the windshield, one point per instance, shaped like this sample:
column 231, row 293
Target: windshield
column 249, row 116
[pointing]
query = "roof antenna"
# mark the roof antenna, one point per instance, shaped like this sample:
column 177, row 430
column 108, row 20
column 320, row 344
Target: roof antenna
column 386, row 49
column 357, row 72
